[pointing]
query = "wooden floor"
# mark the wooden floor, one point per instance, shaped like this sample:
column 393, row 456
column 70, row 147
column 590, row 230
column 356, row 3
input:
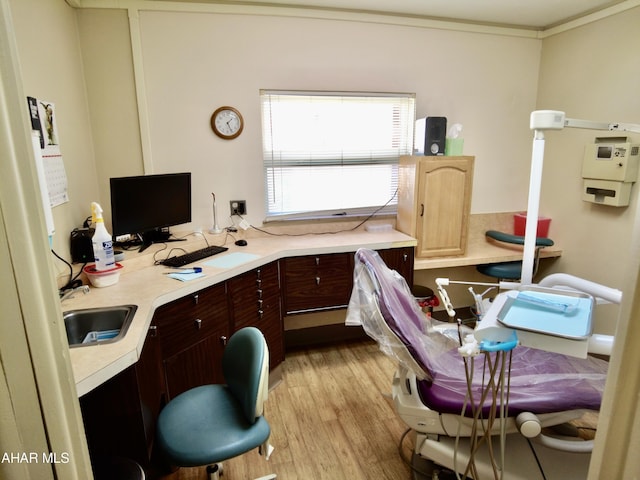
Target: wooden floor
column 331, row 418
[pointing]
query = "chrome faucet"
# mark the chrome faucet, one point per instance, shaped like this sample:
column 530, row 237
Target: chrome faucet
column 71, row 292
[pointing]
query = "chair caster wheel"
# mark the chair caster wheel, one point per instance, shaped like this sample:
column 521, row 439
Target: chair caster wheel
column 214, row 471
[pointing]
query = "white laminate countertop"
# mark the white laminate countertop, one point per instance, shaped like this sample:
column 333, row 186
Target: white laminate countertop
column 144, row 284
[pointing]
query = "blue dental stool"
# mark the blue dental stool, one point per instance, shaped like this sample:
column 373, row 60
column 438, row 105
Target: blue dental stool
column 511, row 270
column 212, row 423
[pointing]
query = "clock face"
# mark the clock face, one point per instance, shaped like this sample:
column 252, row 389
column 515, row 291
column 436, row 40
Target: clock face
column 227, row 122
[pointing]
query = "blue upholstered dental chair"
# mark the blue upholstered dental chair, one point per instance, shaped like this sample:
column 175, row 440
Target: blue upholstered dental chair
column 212, row 423
column 511, row 270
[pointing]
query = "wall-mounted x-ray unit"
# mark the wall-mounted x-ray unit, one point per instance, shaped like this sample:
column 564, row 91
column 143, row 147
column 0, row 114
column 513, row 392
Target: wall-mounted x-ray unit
column 609, row 169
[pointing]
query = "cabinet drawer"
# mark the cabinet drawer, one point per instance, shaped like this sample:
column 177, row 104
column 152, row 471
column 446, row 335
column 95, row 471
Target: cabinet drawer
column 255, row 301
column 256, row 311
column 317, row 282
column 259, row 283
column 192, row 318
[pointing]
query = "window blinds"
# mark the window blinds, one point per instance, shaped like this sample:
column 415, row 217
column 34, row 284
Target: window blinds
column 333, row 153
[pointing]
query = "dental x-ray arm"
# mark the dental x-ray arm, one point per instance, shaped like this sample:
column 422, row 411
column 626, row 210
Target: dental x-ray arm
column 555, row 120
column 540, row 121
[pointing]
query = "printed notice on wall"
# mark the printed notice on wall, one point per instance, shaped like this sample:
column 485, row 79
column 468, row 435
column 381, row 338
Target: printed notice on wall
column 43, row 120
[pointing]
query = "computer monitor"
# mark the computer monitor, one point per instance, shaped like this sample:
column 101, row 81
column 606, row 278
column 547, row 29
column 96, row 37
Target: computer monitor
column 146, row 205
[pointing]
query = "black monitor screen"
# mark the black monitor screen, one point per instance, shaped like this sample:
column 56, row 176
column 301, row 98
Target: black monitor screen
column 146, row 203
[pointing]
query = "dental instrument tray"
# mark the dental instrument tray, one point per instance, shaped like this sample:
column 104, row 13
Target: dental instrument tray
column 561, row 313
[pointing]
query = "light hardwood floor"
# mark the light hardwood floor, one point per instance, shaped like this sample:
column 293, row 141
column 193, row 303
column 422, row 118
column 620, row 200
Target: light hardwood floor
column 331, row 418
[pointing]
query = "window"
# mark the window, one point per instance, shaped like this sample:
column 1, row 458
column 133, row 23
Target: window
column 328, row 153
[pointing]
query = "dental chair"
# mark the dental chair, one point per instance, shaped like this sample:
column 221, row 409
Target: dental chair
column 432, row 394
column 212, row 423
column 510, row 270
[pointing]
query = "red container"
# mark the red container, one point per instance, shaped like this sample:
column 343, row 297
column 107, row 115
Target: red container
column 520, row 222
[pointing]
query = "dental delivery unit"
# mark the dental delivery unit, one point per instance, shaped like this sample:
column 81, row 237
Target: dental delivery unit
column 493, row 402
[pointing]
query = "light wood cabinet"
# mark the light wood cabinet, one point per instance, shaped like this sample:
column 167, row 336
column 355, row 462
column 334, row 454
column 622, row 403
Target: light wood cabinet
column 434, row 202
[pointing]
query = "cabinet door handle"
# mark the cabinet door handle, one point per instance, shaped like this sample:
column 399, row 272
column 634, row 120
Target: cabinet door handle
column 405, row 257
column 259, row 283
column 422, row 209
column 317, row 260
column 223, row 340
column 153, row 331
column 198, row 324
column 260, row 314
column 260, row 303
column 196, row 299
column 317, row 280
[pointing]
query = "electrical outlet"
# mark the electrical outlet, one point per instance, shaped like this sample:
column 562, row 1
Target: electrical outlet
column 238, row 207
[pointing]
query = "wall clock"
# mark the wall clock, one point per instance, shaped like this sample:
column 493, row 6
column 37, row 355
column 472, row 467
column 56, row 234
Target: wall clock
column 227, row 122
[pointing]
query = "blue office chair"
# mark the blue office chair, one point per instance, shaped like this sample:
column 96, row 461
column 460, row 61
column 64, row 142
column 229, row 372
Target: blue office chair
column 511, row 270
column 212, row 423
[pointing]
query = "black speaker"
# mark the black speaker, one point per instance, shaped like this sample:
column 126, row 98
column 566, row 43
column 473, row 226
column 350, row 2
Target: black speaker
column 81, row 246
column 435, row 135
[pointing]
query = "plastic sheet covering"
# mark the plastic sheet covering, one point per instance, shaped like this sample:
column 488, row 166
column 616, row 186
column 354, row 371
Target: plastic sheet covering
column 382, row 303
column 540, row 382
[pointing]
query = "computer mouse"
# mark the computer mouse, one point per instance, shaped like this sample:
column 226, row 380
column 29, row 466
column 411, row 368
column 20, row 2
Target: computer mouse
column 241, row 243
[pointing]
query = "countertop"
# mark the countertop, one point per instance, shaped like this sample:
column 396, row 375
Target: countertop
column 480, row 250
column 144, row 284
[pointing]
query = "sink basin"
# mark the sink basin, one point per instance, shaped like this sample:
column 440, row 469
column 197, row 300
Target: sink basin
column 93, row 326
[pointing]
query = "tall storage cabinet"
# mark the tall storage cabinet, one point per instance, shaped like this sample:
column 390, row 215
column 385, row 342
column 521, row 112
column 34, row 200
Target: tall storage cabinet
column 434, row 203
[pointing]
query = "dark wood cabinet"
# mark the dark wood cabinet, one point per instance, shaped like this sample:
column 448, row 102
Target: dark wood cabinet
column 401, row 260
column 192, row 332
column 255, row 301
column 324, row 282
column 186, row 340
column 316, row 282
column 119, row 415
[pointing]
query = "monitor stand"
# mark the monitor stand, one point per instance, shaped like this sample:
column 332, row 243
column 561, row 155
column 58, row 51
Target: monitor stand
column 156, row 236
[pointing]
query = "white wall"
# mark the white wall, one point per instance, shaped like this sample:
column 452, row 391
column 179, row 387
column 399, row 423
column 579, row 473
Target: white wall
column 196, row 62
column 47, row 39
column 590, row 73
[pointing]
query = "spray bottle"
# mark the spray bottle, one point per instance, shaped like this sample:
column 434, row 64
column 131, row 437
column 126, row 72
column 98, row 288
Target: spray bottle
column 102, row 241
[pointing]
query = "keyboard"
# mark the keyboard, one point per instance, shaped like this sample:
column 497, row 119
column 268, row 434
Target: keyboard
column 194, row 256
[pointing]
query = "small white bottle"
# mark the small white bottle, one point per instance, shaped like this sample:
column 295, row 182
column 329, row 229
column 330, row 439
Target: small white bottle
column 102, row 241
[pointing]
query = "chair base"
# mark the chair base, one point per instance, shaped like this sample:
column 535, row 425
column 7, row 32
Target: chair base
column 215, row 471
